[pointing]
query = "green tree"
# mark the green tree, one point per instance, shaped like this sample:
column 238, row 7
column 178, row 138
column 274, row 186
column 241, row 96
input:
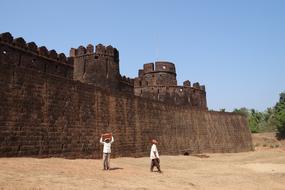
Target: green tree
column 278, row 117
column 243, row 111
column 252, row 116
column 270, row 120
column 257, row 121
column 254, row 120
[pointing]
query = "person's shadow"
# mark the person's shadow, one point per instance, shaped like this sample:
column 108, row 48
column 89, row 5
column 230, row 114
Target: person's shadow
column 116, row 168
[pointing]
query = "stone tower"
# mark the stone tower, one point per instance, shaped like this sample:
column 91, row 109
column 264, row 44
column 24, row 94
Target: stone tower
column 100, row 68
column 161, row 73
column 157, row 81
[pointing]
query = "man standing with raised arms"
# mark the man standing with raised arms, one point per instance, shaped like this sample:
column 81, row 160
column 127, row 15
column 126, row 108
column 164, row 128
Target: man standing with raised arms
column 106, row 149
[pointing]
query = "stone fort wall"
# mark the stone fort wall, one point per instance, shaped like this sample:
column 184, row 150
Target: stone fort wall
column 99, row 68
column 157, row 81
column 44, row 112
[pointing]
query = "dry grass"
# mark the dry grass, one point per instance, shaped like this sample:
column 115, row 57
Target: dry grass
column 262, row 169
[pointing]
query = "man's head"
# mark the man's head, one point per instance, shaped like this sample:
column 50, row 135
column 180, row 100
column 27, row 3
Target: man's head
column 153, row 141
column 107, row 140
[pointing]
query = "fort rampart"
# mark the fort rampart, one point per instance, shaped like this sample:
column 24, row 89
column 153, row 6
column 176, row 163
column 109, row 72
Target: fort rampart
column 45, row 112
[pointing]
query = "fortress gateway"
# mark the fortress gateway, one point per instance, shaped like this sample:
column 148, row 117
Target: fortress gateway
column 51, row 105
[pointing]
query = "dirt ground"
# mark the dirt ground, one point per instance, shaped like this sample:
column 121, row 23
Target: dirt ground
column 261, row 169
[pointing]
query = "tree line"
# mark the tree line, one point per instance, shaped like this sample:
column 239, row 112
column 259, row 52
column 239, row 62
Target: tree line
column 273, row 119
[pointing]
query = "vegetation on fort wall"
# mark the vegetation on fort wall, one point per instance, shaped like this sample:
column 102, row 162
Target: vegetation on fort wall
column 273, row 119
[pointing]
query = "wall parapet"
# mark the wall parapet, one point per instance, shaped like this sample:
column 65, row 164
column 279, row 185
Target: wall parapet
column 127, row 80
column 32, row 47
column 18, row 52
column 44, row 118
column 158, row 66
column 64, row 108
column 100, row 50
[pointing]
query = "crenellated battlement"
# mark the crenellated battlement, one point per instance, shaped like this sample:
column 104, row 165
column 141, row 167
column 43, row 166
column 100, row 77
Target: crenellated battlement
column 158, row 66
column 99, row 66
column 127, row 80
column 54, row 106
column 157, row 81
column 7, row 39
column 18, row 52
column 196, row 85
column 160, row 73
column 100, row 51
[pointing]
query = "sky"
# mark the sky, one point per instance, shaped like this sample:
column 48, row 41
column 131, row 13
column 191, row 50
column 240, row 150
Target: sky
column 234, row 47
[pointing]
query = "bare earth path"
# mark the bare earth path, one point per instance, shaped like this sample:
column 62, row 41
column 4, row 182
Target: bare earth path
column 262, row 169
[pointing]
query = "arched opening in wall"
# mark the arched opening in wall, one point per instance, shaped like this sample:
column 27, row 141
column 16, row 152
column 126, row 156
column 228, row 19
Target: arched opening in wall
column 140, row 83
column 45, row 68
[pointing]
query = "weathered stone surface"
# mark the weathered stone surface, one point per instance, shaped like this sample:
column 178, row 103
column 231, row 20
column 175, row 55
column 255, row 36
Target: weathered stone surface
column 20, row 42
column 90, row 48
column 43, row 51
column 10, row 54
column 158, row 82
column 32, row 46
column 52, row 54
column 100, row 68
column 187, row 83
column 44, row 112
column 81, row 50
column 6, row 37
column 62, row 58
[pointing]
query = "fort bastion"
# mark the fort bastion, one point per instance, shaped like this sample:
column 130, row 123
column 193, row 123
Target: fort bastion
column 54, row 105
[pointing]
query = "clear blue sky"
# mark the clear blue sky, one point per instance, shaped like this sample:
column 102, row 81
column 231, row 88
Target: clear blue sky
column 235, row 47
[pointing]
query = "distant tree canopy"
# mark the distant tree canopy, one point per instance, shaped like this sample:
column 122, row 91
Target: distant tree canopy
column 273, row 119
column 278, row 116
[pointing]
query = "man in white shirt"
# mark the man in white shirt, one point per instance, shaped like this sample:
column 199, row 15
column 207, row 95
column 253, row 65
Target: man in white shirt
column 106, row 151
column 154, row 156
